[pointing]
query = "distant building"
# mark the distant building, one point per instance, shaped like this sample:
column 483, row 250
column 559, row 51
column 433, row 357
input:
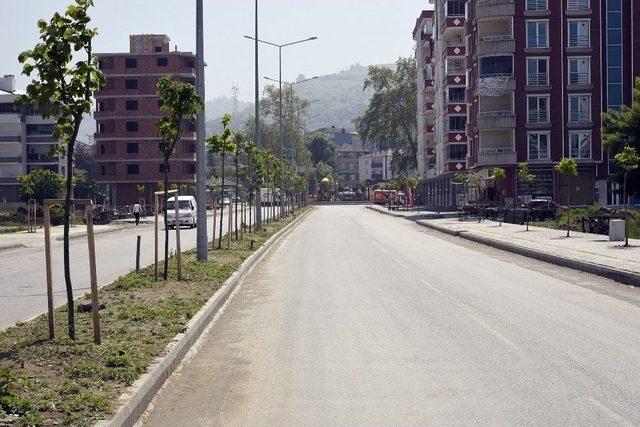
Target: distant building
column 129, row 152
column 26, row 139
column 348, row 164
column 375, row 167
column 340, row 136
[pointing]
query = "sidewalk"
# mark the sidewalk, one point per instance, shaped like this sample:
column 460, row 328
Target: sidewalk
column 412, row 214
column 591, row 253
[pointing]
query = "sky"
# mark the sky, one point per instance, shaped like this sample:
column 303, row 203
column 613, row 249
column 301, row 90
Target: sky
column 349, row 32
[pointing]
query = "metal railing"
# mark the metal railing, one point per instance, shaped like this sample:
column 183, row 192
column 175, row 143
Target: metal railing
column 578, row 5
column 538, row 41
column 456, row 71
column 495, row 38
column 491, row 2
column 538, row 116
column 579, row 78
column 537, row 5
column 500, row 113
column 500, row 150
column 578, row 40
column 538, row 79
column 580, row 116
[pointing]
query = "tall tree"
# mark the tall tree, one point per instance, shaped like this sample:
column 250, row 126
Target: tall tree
column 569, row 168
column 181, row 103
column 629, row 161
column 620, row 129
column 222, row 144
column 66, row 88
column 390, row 120
column 322, row 148
column 41, row 184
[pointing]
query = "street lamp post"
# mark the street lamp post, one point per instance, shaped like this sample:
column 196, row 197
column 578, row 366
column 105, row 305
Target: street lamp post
column 280, row 47
column 201, row 155
column 258, row 195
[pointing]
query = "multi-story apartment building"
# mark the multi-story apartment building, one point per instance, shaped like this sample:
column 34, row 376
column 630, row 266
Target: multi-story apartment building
column 526, row 81
column 348, row 166
column 129, row 152
column 375, row 167
column 26, row 142
column 340, row 136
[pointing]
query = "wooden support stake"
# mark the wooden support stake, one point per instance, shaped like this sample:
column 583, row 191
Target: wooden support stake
column 156, row 237
column 138, row 253
column 47, row 254
column 215, row 217
column 229, row 227
column 177, row 224
column 95, row 305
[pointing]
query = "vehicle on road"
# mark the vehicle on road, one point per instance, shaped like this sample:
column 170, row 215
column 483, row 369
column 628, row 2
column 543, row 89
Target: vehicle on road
column 186, row 210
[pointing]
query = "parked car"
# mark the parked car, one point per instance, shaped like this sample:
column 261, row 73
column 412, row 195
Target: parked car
column 186, row 210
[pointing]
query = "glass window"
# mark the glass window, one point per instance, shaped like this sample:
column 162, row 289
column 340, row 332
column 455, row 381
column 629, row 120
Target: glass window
column 580, row 145
column 496, row 65
column 614, row 5
column 130, row 63
column 132, row 147
column 133, row 169
column 537, row 71
column 457, row 123
column 455, row 8
column 131, row 84
column 538, row 109
column 131, row 105
column 537, row 33
column 132, row 126
column 614, row 95
column 579, row 71
column 538, row 146
column 457, row 152
column 162, row 62
column 580, row 108
column 537, row 5
column 456, row 94
column 614, row 56
column 579, row 33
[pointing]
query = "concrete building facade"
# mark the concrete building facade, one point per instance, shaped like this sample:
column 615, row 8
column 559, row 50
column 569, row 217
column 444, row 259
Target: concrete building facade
column 526, row 82
column 348, row 165
column 375, row 167
column 129, row 152
column 26, row 142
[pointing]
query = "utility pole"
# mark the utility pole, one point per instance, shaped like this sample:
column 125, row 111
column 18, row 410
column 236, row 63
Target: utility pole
column 201, row 154
column 257, row 118
column 282, row 213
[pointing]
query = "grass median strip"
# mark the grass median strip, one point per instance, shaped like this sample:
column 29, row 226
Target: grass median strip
column 63, row 382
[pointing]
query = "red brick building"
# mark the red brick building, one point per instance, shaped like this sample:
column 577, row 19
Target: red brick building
column 128, row 150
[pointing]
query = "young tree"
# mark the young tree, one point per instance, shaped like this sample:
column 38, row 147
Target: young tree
column 390, row 119
column 238, row 150
column 66, row 89
column 254, row 173
column 569, row 168
column 629, row 160
column 181, row 103
column 222, row 145
column 527, row 178
column 499, row 176
column 84, row 187
column 41, row 184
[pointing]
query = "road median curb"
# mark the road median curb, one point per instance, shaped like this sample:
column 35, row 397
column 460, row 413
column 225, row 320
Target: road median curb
column 135, row 400
column 6, row 247
column 622, row 276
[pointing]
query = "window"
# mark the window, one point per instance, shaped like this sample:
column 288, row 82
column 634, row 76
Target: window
column 579, row 33
column 457, row 152
column 188, row 63
column 103, row 149
column 456, row 94
column 580, row 145
column 496, row 65
column 537, row 71
column 579, row 71
column 538, row 109
column 580, row 108
column 455, row 66
column 158, row 48
column 102, row 128
column 189, row 147
column 162, row 168
column 190, row 168
column 103, row 170
column 133, row 169
column 457, row 123
column 131, row 105
column 131, row 84
column 614, row 54
column 537, row 5
column 130, row 63
column 538, row 145
column 577, row 5
column 455, row 8
column 132, row 126
column 162, row 62
column 132, row 147
column 7, row 108
column 537, row 34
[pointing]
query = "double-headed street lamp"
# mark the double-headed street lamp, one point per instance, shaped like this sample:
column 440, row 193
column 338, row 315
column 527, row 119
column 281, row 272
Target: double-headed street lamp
column 280, row 47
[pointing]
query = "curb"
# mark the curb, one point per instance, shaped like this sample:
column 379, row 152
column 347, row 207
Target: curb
column 59, row 238
column 417, row 217
column 11, row 246
column 136, row 399
column 622, row 276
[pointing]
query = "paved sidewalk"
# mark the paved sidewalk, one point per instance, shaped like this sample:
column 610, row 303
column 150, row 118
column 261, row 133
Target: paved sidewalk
column 592, row 253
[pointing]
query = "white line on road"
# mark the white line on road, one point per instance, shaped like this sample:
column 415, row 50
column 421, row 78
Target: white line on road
column 611, row 413
column 493, row 331
column 403, row 266
column 433, row 288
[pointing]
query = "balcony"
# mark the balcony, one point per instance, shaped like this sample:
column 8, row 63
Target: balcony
column 538, row 117
column 579, row 79
column 580, row 117
column 41, row 158
column 493, row 8
column 488, row 120
column 495, row 84
column 579, row 41
column 537, row 5
column 454, row 49
column 10, row 160
column 452, row 22
column 496, row 157
column 499, row 43
column 578, row 8
column 428, row 128
column 538, row 79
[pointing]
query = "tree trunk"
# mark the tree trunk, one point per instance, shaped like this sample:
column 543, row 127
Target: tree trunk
column 165, row 274
column 527, row 201
column 237, row 193
column 626, row 217
column 568, row 206
column 222, row 200
column 66, row 223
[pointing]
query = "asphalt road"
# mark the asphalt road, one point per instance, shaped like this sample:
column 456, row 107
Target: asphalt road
column 362, row 319
column 23, row 277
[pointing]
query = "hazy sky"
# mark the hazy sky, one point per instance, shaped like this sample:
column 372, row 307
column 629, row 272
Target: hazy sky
column 348, row 31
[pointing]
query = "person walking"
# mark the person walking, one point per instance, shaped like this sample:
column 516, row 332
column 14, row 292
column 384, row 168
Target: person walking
column 137, row 209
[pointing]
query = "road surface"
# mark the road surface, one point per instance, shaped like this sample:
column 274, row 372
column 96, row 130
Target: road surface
column 23, row 276
column 362, row 319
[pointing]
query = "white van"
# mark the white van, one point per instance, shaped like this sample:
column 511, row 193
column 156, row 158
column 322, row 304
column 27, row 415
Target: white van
column 187, row 209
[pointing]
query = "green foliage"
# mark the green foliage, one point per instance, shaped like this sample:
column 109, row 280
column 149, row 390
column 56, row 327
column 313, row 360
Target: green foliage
column 412, row 182
column 41, row 184
column 499, row 176
column 524, row 174
column 390, row 120
column 321, row 148
column 628, row 159
column 567, row 167
column 85, row 187
column 223, row 143
column 459, row 177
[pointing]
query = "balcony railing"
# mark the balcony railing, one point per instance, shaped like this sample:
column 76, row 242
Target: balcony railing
column 538, row 79
column 491, row 2
column 496, row 156
column 505, row 119
column 580, row 116
column 578, row 40
column 579, row 78
column 456, row 71
column 537, row 5
column 538, row 42
column 536, row 117
column 578, row 5
column 495, row 38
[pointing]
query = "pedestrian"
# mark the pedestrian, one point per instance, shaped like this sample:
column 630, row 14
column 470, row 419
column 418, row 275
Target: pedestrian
column 136, row 213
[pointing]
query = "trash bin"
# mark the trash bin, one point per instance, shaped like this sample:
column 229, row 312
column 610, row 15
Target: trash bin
column 616, row 230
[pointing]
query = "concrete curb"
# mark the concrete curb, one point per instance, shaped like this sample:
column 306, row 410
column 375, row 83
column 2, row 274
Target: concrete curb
column 622, row 276
column 136, row 399
column 11, row 246
column 418, row 216
column 59, row 238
